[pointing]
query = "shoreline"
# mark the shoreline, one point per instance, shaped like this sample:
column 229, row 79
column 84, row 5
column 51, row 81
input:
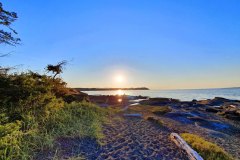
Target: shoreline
column 183, row 95
column 216, row 120
column 112, row 89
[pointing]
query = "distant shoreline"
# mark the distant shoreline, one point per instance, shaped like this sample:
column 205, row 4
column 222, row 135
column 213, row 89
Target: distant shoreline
column 145, row 88
column 110, row 89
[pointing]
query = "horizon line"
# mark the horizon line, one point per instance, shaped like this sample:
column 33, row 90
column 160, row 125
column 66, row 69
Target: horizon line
column 154, row 89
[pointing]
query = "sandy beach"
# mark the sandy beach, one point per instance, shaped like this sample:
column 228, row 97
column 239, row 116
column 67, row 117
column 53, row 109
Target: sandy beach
column 140, row 138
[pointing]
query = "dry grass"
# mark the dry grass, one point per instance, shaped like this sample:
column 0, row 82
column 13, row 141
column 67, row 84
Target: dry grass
column 155, row 120
column 208, row 150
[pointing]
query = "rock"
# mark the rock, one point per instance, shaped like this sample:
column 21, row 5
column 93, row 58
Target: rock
column 210, row 124
column 212, row 109
column 194, row 101
column 74, row 95
column 133, row 115
column 231, row 112
column 190, row 104
column 238, row 112
column 109, row 100
column 228, row 108
column 182, row 117
column 232, row 117
column 186, row 104
column 217, row 101
column 159, row 101
column 155, row 120
column 163, row 111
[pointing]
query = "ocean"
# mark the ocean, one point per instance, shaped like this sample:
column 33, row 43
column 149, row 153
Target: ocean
column 181, row 94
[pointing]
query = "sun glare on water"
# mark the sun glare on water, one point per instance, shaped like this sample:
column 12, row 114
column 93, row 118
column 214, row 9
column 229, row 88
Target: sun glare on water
column 120, row 92
column 119, row 100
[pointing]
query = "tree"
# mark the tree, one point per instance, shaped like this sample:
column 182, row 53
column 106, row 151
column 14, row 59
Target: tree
column 56, row 69
column 6, row 19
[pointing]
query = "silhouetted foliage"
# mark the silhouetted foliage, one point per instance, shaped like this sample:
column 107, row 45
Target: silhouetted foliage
column 6, row 19
column 4, row 71
column 29, row 91
column 56, row 69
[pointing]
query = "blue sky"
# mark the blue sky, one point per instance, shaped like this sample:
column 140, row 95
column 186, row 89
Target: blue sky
column 161, row 44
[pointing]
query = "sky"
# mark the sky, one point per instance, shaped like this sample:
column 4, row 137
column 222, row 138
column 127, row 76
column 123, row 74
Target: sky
column 160, row 44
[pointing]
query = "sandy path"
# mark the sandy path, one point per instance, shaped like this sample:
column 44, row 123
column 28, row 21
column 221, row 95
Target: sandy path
column 128, row 138
column 134, row 138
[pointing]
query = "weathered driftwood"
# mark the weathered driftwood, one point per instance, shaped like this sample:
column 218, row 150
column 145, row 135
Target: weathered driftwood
column 192, row 155
column 133, row 115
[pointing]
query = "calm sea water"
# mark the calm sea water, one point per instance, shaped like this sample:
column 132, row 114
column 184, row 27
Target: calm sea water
column 184, row 95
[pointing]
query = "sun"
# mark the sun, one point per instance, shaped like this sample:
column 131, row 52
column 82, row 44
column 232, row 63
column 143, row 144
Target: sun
column 119, row 78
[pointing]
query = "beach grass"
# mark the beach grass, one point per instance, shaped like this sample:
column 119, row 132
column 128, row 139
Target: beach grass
column 208, row 150
column 73, row 120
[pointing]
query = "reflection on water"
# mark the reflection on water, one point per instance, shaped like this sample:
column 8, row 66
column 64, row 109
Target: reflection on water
column 120, row 100
column 231, row 93
column 119, row 92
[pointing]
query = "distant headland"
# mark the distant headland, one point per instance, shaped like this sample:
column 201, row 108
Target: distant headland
column 110, row 89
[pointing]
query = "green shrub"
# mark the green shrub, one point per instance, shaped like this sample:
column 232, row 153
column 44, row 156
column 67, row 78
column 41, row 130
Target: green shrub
column 208, row 150
column 10, row 139
column 75, row 119
column 29, row 92
column 33, row 114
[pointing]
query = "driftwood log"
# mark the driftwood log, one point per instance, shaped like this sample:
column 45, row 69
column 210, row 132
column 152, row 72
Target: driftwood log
column 192, row 155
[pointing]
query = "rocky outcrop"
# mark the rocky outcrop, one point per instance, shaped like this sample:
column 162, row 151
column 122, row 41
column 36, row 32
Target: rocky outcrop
column 217, row 101
column 213, row 109
column 159, row 101
column 75, row 95
column 109, row 100
column 231, row 112
column 229, row 108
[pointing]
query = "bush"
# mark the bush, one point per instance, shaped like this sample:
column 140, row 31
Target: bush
column 75, row 119
column 29, row 92
column 10, row 139
column 208, row 150
column 33, row 114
